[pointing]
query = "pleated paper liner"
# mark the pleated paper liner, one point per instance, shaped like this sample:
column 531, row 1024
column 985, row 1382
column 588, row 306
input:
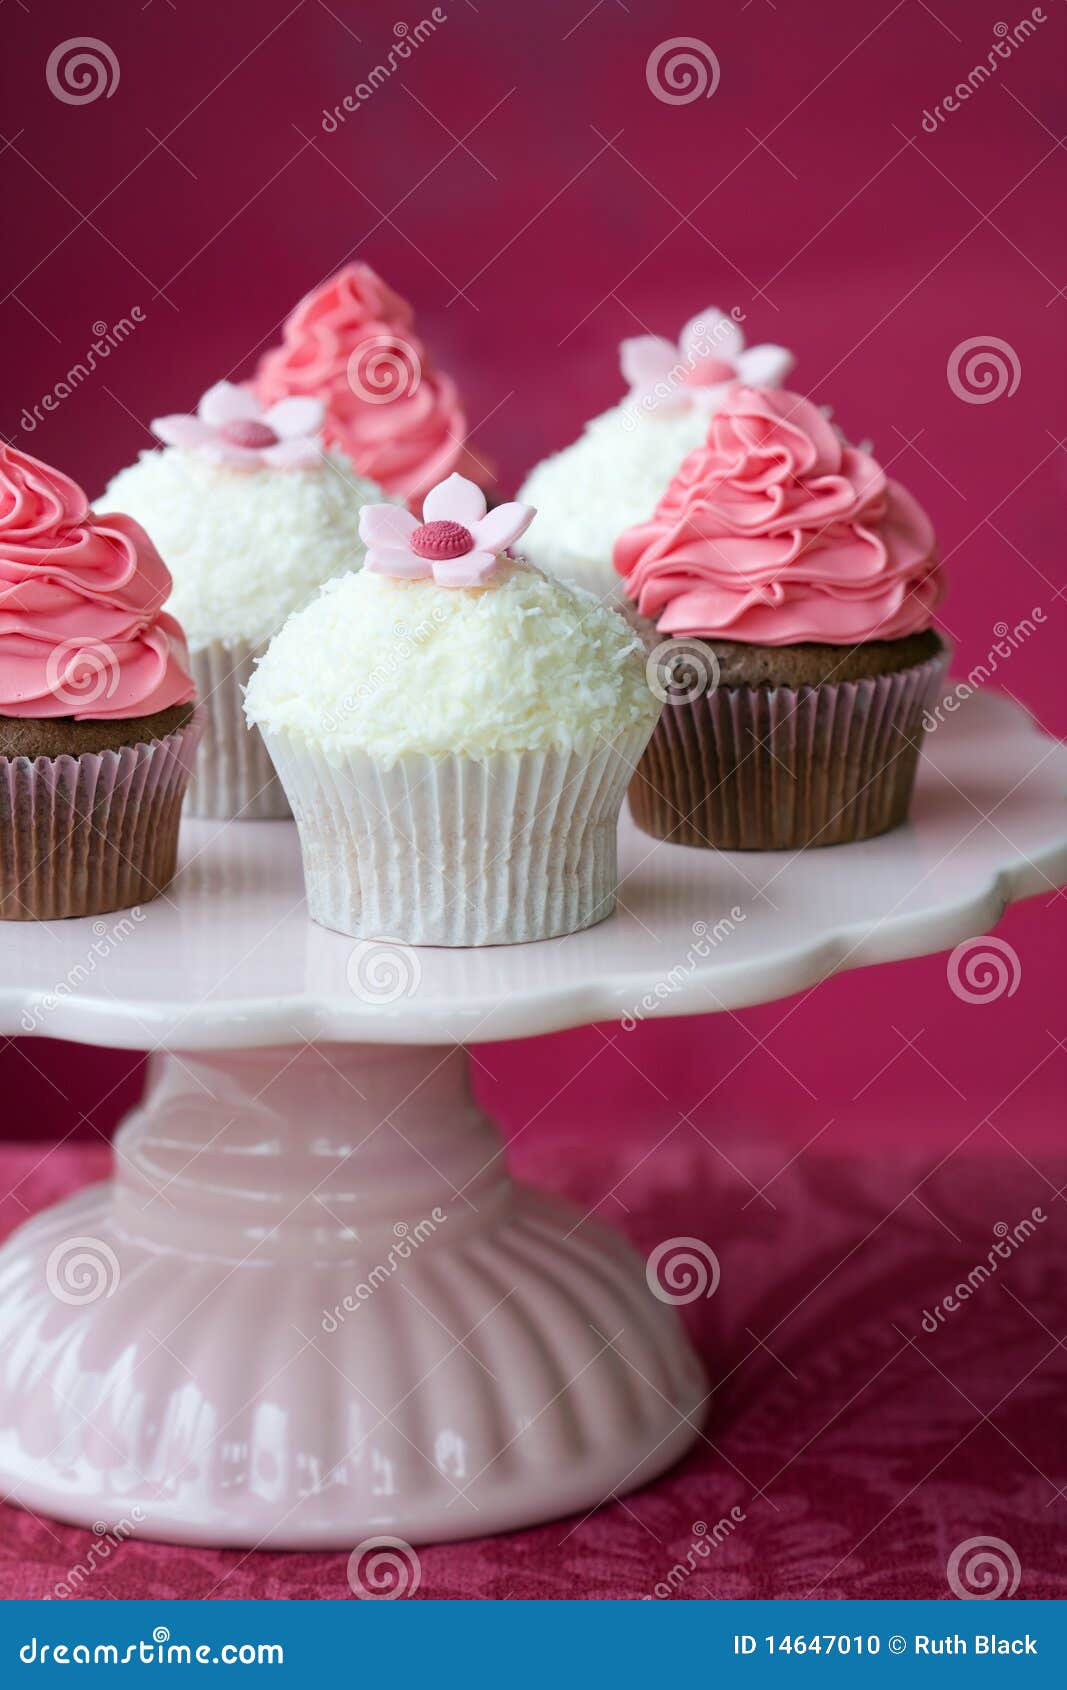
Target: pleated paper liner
column 97, row 832
column 234, row 777
column 447, row 850
column 778, row 768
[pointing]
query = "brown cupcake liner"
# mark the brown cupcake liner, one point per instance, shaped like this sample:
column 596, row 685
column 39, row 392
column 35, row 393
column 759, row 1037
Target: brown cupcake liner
column 97, row 832
column 778, row 768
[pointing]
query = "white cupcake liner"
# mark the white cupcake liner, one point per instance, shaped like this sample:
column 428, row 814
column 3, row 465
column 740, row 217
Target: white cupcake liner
column 449, row 850
column 234, row 777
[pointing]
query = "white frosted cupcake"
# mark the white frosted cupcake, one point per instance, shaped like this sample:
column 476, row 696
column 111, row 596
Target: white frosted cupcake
column 251, row 516
column 614, row 475
column 455, row 731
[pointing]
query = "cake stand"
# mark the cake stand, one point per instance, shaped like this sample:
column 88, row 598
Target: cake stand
column 312, row 1306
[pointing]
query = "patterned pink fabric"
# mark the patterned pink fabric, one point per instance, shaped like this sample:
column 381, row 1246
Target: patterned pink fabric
column 872, row 1455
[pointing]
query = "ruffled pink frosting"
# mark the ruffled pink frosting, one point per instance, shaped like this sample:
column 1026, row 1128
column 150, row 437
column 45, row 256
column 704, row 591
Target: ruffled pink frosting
column 352, row 344
column 82, row 632
column 777, row 531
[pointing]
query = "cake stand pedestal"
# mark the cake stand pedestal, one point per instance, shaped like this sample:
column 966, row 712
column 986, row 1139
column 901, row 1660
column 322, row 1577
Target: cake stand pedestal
column 312, row 1306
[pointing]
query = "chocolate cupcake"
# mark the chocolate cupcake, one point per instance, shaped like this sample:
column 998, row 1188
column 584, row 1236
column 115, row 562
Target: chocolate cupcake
column 97, row 719
column 792, row 587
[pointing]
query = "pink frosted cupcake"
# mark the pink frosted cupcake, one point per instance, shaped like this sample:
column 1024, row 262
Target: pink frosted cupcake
column 352, row 343
column 792, row 586
column 97, row 719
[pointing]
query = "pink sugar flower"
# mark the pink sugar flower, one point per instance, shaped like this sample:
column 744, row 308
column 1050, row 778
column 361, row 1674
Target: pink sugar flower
column 457, row 543
column 231, row 427
column 710, row 354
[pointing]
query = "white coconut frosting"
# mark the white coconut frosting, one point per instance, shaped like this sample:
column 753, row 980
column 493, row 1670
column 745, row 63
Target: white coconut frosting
column 610, row 478
column 397, row 667
column 245, row 546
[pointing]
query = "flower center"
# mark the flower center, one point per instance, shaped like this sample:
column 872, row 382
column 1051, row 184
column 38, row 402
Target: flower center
column 246, row 431
column 709, row 372
column 437, row 540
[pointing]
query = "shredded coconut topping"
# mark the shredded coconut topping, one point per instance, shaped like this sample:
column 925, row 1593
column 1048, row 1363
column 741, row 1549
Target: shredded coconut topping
column 396, row 667
column 244, row 547
column 612, row 477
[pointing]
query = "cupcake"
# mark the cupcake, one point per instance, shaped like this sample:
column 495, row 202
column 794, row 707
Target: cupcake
column 793, row 587
column 97, row 719
column 251, row 516
column 352, row 344
column 615, row 474
column 455, row 731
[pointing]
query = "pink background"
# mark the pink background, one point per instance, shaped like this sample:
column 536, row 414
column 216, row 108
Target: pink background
column 521, row 184
column 871, row 257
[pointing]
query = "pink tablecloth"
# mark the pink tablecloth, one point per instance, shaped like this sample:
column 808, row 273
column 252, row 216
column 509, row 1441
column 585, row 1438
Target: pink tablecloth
column 860, row 1449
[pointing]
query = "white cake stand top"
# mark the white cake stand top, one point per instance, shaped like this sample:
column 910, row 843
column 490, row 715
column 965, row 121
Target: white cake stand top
column 229, row 958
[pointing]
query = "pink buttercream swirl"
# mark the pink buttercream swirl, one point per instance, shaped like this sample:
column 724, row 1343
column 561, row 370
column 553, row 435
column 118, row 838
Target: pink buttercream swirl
column 82, row 631
column 777, row 531
column 352, row 344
